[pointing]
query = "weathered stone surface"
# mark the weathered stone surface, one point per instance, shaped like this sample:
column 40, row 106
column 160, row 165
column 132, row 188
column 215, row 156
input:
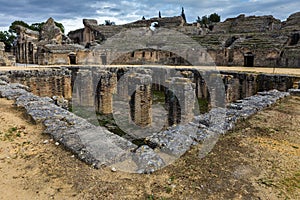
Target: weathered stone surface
column 274, row 43
column 177, row 140
column 50, row 33
column 105, row 146
column 243, row 24
column 147, row 160
column 11, row 93
column 47, row 82
column 6, row 59
column 293, row 22
column 93, row 145
column 295, row 92
column 97, row 146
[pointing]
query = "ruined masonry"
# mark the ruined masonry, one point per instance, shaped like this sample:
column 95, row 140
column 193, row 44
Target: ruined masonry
column 240, row 41
column 6, row 59
column 97, row 146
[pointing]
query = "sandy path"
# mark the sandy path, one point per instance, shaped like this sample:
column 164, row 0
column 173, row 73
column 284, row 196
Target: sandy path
column 292, row 71
column 21, row 147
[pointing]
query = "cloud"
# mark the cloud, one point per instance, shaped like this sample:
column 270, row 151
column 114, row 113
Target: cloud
column 71, row 13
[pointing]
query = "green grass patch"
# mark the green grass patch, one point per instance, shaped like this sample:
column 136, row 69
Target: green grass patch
column 203, row 105
column 158, row 97
column 292, row 183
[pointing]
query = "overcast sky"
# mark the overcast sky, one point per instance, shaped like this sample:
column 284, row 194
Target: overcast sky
column 71, row 13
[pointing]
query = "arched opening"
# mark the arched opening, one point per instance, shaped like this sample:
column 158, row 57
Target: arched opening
column 72, row 58
column 150, row 56
column 103, row 59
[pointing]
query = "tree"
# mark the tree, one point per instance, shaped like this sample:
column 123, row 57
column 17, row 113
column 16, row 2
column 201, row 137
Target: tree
column 7, row 38
column 143, row 18
column 109, row 23
column 13, row 26
column 34, row 26
column 37, row 26
column 159, row 14
column 214, row 17
column 61, row 26
column 183, row 14
column 205, row 20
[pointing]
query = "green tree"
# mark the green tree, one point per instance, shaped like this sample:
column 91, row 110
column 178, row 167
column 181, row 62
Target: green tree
column 38, row 26
column 183, row 14
column 34, row 26
column 61, row 26
column 109, row 23
column 13, row 26
column 214, row 17
column 205, row 20
column 7, row 38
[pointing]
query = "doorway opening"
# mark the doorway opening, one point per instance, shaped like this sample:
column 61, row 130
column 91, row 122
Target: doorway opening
column 249, row 59
column 72, row 57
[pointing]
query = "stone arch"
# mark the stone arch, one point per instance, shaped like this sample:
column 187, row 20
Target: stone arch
column 72, row 58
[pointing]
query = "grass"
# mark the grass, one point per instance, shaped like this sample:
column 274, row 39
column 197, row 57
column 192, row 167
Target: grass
column 168, row 189
column 158, row 97
column 203, row 105
column 266, row 182
column 10, row 134
column 292, row 183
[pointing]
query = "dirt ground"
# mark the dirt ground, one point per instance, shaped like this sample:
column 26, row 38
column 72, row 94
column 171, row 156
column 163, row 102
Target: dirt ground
column 258, row 160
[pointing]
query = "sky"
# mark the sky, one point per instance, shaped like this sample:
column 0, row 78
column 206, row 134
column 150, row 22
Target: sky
column 71, row 13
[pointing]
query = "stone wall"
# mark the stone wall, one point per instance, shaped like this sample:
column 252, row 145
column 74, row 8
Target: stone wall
column 99, row 147
column 44, row 83
column 6, row 59
column 26, row 48
column 93, row 32
column 273, row 43
column 140, row 94
column 249, row 24
column 95, row 88
column 150, row 56
column 292, row 23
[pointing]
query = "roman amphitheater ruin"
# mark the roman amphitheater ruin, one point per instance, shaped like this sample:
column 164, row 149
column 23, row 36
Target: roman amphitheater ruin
column 107, row 75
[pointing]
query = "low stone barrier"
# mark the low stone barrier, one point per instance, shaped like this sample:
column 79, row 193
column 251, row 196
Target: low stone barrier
column 97, row 146
column 294, row 92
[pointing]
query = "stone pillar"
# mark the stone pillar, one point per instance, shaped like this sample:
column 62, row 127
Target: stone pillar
column 67, row 87
column 251, row 87
column 122, row 89
column 21, row 53
column 180, row 100
column 231, row 88
column 26, row 52
column 201, row 86
column 139, row 86
column 84, row 94
column 106, row 87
